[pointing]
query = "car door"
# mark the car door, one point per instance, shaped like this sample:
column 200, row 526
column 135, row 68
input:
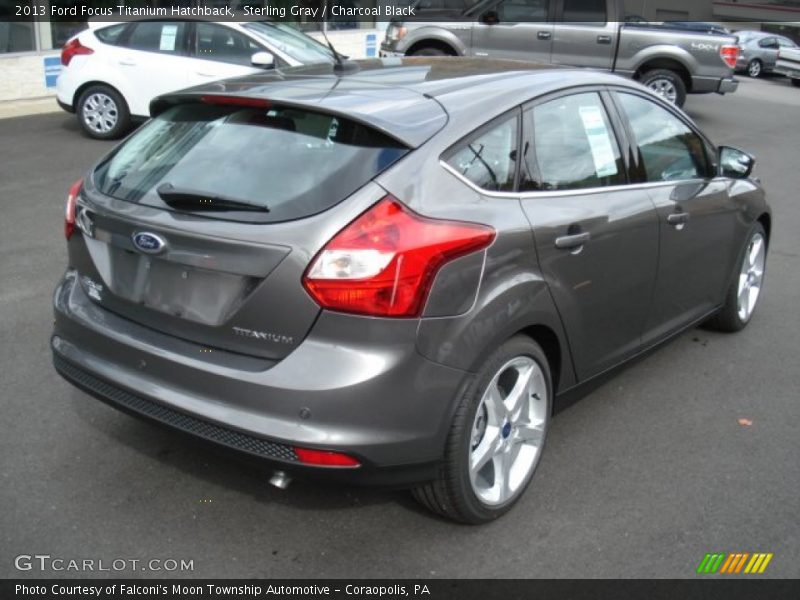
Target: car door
column 768, row 51
column 697, row 218
column 217, row 51
column 516, row 29
column 782, row 43
column 150, row 60
column 596, row 236
column 582, row 35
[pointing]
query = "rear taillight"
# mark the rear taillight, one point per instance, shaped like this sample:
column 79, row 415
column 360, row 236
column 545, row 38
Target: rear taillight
column 383, row 263
column 325, row 458
column 69, row 212
column 729, row 53
column 73, row 48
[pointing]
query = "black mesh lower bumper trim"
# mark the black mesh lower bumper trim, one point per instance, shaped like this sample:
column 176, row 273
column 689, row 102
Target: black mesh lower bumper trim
column 192, row 425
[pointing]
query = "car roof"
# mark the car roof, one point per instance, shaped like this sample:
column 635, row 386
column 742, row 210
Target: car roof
column 409, row 99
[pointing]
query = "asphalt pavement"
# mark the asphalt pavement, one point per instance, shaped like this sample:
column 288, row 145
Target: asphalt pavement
column 640, row 478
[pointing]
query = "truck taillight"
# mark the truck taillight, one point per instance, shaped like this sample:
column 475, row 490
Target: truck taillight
column 730, row 54
column 69, row 212
column 383, row 263
column 73, row 48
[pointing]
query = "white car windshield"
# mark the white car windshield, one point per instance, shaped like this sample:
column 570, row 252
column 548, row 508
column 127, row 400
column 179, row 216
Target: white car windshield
column 291, row 42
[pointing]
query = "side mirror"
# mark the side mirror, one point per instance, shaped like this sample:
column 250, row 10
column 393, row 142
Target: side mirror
column 735, row 163
column 262, row 60
column 490, row 18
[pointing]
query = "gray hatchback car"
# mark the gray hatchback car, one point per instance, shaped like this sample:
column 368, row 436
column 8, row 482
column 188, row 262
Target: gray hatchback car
column 395, row 275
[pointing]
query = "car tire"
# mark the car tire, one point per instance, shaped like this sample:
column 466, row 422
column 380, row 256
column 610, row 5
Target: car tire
column 744, row 292
column 429, row 51
column 796, row 82
column 667, row 84
column 755, row 68
column 103, row 113
column 503, row 417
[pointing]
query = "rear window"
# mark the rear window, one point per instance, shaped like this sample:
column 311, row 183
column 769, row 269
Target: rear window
column 289, row 163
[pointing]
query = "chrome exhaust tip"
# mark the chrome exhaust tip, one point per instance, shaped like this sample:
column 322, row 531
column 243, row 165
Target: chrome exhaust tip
column 280, row 480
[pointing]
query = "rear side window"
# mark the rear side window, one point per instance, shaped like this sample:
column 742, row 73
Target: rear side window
column 669, row 149
column 584, row 11
column 569, row 144
column 487, row 159
column 110, row 35
column 284, row 163
column 157, row 36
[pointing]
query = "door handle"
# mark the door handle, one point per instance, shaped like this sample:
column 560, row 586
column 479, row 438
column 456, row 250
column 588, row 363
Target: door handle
column 678, row 219
column 603, row 39
column 204, row 74
column 544, row 35
column 573, row 241
column 127, row 62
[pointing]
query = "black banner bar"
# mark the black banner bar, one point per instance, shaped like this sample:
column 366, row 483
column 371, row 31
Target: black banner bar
column 435, row 589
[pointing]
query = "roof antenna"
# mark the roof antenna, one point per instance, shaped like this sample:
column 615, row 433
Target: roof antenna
column 343, row 64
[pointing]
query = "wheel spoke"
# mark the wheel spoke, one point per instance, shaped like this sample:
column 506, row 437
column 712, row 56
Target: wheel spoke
column 520, row 393
column 531, row 433
column 486, row 450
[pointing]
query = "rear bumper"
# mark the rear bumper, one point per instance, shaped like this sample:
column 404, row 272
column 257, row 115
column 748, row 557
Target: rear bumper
column 728, row 85
column 706, row 85
column 387, row 406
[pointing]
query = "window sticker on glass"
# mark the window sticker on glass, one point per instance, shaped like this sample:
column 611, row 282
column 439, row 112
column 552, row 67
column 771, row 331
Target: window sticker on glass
column 168, row 35
column 599, row 140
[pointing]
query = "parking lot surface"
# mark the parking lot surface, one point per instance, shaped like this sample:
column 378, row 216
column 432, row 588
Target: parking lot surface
column 640, row 478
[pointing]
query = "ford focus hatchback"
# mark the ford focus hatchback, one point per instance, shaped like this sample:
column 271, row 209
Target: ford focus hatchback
column 394, row 275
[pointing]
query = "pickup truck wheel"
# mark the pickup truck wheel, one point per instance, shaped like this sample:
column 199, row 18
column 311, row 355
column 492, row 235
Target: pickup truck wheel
column 796, row 82
column 667, row 84
column 429, row 51
column 754, row 68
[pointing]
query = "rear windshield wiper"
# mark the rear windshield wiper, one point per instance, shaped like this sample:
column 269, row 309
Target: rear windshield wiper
column 188, row 199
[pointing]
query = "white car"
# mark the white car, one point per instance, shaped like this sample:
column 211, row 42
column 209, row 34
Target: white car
column 112, row 71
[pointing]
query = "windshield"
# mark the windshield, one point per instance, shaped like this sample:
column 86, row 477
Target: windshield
column 289, row 162
column 291, row 42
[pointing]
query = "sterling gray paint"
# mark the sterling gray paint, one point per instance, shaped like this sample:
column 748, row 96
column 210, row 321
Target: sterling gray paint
column 384, row 389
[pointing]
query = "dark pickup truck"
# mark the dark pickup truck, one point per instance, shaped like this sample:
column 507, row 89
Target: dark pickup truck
column 585, row 33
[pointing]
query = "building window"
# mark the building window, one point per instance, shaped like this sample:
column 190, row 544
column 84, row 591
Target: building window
column 15, row 36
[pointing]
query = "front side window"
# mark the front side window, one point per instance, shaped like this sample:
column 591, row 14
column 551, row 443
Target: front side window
column 522, row 10
column 569, row 144
column 487, row 160
column 769, row 42
column 223, row 44
column 157, row 36
column 668, row 148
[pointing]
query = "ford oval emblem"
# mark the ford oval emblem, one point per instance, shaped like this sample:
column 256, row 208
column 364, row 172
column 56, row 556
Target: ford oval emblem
column 149, row 243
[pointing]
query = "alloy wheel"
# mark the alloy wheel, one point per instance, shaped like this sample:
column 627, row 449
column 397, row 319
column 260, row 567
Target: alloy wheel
column 751, row 277
column 508, row 431
column 754, row 68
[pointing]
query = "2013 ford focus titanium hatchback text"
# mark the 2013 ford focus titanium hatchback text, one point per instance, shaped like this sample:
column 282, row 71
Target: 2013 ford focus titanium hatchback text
column 393, row 274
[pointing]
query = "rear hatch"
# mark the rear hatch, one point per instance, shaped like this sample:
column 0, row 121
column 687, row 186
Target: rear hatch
column 202, row 223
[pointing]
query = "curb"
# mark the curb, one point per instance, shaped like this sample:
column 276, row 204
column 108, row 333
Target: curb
column 32, row 106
